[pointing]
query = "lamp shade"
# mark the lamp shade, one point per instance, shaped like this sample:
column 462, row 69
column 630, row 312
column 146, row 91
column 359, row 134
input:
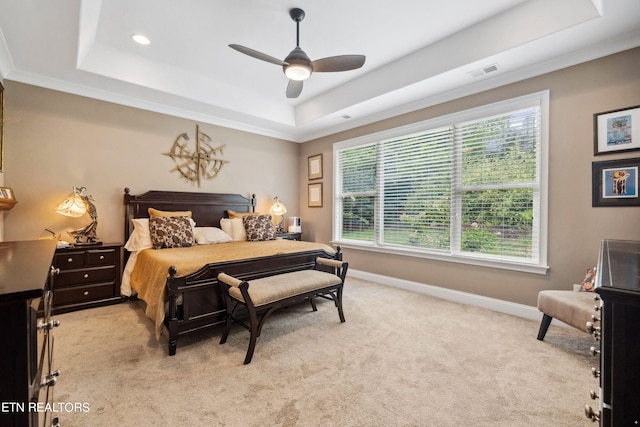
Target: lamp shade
column 73, row 205
column 278, row 208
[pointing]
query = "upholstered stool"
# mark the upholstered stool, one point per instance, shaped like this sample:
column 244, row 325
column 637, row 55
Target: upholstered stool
column 571, row 307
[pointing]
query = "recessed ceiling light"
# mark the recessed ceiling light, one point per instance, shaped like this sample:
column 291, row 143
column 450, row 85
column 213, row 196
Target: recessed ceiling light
column 139, row 38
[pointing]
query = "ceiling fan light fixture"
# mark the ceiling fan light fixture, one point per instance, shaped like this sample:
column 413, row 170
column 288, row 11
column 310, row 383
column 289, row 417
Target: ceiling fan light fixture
column 297, row 72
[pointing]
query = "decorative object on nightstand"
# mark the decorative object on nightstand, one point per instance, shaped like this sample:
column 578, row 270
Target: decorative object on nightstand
column 76, row 205
column 278, row 210
column 89, row 276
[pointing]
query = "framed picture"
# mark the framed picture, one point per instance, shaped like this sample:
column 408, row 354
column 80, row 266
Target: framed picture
column 7, row 198
column 1, row 128
column 315, row 195
column 615, row 183
column 315, row 167
column 616, row 131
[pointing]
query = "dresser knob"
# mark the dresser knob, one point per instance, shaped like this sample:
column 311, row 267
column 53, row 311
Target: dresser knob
column 591, row 414
column 50, row 379
column 69, row 259
column 86, row 293
column 595, row 372
column 592, row 329
column 101, row 256
column 86, row 275
column 594, row 351
column 48, row 325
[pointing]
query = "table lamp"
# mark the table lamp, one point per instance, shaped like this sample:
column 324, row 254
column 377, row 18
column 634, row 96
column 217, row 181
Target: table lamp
column 278, row 210
column 76, row 205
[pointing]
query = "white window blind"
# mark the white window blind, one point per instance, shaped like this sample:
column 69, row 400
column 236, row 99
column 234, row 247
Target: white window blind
column 469, row 187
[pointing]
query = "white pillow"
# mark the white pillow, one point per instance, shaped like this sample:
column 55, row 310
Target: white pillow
column 209, row 235
column 234, row 227
column 141, row 237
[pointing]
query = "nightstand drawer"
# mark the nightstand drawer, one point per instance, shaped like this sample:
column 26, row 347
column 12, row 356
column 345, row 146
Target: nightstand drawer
column 86, row 275
column 68, row 260
column 101, row 257
column 83, row 294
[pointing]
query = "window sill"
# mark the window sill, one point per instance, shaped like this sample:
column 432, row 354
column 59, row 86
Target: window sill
column 461, row 259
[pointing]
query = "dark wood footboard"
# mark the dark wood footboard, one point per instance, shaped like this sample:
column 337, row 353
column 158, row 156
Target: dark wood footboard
column 196, row 301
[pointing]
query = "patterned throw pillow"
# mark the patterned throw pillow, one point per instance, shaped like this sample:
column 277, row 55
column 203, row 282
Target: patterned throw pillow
column 171, row 232
column 589, row 282
column 259, row 227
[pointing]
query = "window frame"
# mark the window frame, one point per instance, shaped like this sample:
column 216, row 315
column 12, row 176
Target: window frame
column 540, row 99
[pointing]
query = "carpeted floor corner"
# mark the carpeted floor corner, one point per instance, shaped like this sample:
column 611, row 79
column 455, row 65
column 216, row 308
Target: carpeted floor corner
column 401, row 359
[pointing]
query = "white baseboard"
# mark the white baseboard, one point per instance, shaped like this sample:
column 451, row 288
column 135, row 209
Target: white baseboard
column 515, row 309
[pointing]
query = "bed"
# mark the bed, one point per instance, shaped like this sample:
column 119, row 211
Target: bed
column 179, row 285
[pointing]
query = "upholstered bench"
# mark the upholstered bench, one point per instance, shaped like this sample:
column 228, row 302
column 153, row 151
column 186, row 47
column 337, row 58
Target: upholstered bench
column 571, row 307
column 264, row 296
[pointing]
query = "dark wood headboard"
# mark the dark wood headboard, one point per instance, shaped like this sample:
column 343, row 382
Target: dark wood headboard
column 207, row 208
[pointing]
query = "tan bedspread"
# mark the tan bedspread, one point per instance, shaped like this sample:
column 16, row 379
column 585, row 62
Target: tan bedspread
column 149, row 276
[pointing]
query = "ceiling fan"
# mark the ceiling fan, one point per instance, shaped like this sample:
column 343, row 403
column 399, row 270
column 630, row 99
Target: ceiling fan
column 297, row 66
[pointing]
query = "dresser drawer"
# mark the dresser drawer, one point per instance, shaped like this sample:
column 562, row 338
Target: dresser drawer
column 86, row 293
column 85, row 275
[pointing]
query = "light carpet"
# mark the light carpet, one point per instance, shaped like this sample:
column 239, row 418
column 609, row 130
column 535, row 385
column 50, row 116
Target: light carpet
column 401, row 359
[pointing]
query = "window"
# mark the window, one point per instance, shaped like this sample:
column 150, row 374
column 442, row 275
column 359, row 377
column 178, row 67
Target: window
column 469, row 187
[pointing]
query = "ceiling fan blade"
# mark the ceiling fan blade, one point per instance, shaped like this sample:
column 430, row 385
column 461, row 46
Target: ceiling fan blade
column 338, row 63
column 294, row 88
column 258, row 55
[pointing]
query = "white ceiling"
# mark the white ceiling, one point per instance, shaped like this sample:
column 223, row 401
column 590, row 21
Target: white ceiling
column 419, row 53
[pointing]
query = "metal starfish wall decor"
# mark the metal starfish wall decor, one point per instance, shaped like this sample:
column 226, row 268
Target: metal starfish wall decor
column 200, row 163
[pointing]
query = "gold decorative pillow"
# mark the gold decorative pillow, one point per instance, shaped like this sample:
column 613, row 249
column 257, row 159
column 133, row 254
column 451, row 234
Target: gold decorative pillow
column 171, row 232
column 233, row 214
column 155, row 212
column 259, row 227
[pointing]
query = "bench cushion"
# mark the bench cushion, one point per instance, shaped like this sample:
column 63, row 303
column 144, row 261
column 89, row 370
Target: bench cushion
column 274, row 288
column 573, row 308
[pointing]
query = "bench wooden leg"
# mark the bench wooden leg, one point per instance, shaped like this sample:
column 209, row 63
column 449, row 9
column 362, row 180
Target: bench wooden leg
column 544, row 326
column 339, row 305
column 254, row 330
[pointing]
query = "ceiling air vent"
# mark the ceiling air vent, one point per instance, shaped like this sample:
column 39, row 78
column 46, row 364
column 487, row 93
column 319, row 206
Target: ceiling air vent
column 484, row 70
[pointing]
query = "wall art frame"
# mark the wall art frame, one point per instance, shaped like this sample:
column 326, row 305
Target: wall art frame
column 315, row 195
column 1, row 128
column 315, row 167
column 615, row 183
column 7, row 198
column 616, row 131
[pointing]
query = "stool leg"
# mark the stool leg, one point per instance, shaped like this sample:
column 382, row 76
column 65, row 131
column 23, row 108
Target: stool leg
column 544, row 325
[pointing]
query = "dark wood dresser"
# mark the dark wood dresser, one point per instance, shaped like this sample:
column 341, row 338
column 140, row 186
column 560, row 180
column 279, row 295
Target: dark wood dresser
column 25, row 363
column 618, row 283
column 89, row 277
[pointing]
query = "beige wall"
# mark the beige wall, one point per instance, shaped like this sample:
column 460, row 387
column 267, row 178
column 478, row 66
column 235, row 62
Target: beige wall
column 54, row 141
column 575, row 228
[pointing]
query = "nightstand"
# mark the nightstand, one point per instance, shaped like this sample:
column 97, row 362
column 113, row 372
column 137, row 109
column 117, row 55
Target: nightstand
column 89, row 277
column 290, row 236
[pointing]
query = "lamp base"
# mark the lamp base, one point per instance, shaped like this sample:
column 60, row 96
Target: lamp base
column 93, row 243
